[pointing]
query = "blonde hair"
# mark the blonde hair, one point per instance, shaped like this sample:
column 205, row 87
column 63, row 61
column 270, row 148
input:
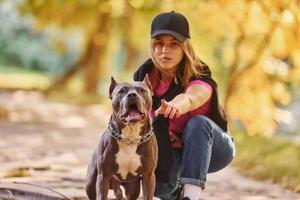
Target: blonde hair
column 193, row 66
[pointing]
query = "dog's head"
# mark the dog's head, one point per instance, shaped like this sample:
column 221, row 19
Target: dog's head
column 131, row 102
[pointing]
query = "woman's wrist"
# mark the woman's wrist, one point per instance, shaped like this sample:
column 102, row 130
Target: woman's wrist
column 182, row 103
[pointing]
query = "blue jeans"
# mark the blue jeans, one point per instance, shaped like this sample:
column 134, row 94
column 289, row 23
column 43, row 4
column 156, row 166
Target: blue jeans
column 206, row 148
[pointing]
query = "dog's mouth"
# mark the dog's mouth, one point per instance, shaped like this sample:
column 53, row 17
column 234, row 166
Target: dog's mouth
column 133, row 114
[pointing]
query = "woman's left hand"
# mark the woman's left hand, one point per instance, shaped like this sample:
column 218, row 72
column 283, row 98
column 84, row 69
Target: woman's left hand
column 168, row 109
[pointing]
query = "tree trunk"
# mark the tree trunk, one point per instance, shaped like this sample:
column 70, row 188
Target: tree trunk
column 131, row 53
column 97, row 47
column 92, row 59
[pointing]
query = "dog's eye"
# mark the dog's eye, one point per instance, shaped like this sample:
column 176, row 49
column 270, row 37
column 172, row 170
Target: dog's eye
column 122, row 91
column 142, row 90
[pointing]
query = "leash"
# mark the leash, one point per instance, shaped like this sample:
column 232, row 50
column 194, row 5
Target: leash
column 115, row 134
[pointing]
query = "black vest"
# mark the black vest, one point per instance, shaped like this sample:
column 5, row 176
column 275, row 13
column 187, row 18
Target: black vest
column 161, row 124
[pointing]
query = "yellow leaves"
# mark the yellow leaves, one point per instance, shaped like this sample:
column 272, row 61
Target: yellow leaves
column 228, row 55
column 279, row 43
column 251, row 103
column 265, row 57
column 285, row 35
column 63, row 13
column 59, row 46
column 276, row 67
column 247, row 50
column 287, row 18
column 280, row 93
column 234, row 8
column 257, row 21
column 104, row 7
column 262, row 37
column 255, row 102
column 281, row 4
column 37, row 3
column 294, row 74
column 118, row 7
column 254, row 108
column 136, row 3
column 295, row 56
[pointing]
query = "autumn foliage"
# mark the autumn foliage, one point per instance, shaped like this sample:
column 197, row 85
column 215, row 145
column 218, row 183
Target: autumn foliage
column 252, row 46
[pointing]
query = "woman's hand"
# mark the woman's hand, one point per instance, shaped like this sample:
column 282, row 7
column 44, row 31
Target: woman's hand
column 168, row 109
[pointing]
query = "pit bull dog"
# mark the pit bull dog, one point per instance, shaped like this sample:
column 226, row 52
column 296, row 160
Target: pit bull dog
column 127, row 151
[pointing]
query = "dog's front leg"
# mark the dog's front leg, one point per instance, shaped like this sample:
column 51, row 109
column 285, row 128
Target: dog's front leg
column 148, row 183
column 102, row 187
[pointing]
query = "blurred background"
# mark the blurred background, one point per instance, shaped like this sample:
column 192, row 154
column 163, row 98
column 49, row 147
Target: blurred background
column 68, row 50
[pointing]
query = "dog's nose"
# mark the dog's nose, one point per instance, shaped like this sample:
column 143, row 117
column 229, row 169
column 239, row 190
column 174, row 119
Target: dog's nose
column 132, row 95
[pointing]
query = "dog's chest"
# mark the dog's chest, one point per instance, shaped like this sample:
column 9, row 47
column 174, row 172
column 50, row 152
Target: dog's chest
column 127, row 158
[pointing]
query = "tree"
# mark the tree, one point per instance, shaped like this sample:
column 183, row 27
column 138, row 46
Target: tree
column 98, row 19
column 259, row 44
column 93, row 17
column 252, row 46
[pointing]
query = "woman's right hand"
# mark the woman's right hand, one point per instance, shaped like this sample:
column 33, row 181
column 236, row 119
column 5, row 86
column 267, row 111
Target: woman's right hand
column 168, row 109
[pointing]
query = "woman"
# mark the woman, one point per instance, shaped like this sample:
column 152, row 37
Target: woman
column 189, row 124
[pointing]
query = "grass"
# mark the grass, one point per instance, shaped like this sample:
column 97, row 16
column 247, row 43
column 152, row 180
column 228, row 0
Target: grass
column 272, row 159
column 12, row 77
column 69, row 97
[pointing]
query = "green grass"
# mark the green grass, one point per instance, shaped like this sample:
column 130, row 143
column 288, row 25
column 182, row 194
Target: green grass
column 12, row 77
column 272, row 159
column 82, row 99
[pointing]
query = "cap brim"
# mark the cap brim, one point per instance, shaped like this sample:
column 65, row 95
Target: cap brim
column 176, row 35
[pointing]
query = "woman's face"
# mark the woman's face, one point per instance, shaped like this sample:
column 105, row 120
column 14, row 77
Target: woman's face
column 168, row 52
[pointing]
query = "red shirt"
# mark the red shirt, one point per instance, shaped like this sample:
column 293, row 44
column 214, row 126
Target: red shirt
column 177, row 125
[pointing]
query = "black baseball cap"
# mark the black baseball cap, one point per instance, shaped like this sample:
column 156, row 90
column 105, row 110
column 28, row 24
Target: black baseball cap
column 171, row 23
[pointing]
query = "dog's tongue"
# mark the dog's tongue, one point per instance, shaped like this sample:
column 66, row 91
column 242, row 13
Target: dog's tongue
column 133, row 115
column 133, row 112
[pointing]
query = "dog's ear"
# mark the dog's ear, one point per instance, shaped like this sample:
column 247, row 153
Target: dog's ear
column 148, row 83
column 113, row 84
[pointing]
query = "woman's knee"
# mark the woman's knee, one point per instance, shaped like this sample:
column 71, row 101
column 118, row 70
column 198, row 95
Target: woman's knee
column 198, row 126
column 199, row 121
column 222, row 157
column 217, row 165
